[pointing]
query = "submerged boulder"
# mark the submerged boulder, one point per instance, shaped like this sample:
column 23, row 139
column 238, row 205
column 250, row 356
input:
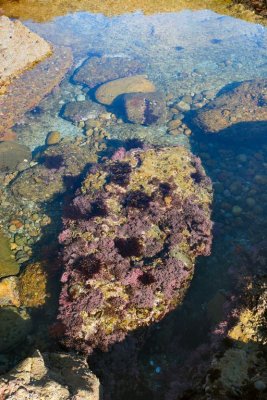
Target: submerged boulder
column 240, row 112
column 145, row 108
column 97, row 70
column 131, row 237
column 57, row 167
column 11, row 154
column 53, row 376
column 20, row 49
column 77, row 111
column 108, row 92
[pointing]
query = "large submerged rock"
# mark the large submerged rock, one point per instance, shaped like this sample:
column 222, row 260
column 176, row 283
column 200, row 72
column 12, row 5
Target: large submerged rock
column 130, row 241
column 97, row 70
column 53, row 376
column 31, row 87
column 239, row 112
column 109, row 91
column 20, row 49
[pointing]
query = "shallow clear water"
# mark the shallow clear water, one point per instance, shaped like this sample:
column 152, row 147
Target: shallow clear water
column 183, row 53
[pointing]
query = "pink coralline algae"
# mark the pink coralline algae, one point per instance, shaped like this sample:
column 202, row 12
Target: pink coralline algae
column 131, row 236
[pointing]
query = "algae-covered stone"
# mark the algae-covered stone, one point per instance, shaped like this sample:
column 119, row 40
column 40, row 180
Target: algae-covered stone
column 145, row 108
column 11, row 154
column 8, row 265
column 33, row 286
column 53, row 376
column 9, row 292
column 108, row 92
column 130, row 243
column 15, row 324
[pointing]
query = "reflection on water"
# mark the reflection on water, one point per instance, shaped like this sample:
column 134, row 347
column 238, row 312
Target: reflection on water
column 189, row 56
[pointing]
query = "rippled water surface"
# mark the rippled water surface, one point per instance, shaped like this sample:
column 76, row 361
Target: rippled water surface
column 189, row 56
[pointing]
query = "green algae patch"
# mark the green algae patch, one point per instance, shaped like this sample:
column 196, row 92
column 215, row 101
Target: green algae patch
column 41, row 11
column 8, row 266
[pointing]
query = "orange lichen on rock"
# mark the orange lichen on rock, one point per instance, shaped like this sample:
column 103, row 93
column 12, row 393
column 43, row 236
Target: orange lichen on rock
column 31, row 87
column 33, row 286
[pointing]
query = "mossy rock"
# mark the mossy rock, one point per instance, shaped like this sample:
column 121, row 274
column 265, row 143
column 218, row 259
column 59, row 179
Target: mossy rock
column 8, row 265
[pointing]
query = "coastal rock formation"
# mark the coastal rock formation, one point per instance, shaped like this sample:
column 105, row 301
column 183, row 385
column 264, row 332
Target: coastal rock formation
column 53, row 376
column 145, row 108
column 131, row 237
column 108, row 92
column 20, row 49
column 242, row 111
column 56, row 170
column 25, row 92
column 97, row 70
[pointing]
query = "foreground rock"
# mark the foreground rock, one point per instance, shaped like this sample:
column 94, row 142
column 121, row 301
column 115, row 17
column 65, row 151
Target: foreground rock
column 55, row 376
column 8, row 265
column 20, row 49
column 31, row 87
column 97, row 70
column 108, row 92
column 11, row 154
column 56, row 171
column 131, row 238
column 145, row 108
column 243, row 109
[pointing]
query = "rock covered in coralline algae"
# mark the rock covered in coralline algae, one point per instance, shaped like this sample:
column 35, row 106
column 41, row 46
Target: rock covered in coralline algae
column 130, row 241
column 53, row 376
column 240, row 112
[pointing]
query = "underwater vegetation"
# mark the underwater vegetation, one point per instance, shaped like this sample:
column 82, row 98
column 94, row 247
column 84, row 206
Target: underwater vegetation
column 130, row 239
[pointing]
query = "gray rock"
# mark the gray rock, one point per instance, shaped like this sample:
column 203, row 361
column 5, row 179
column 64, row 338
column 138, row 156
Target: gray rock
column 77, row 111
column 12, row 154
column 145, row 108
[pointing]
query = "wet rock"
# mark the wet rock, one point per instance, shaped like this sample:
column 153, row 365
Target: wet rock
column 26, row 92
column 131, row 237
column 77, row 111
column 239, row 112
column 97, row 70
column 9, row 292
column 56, row 171
column 108, row 92
column 11, row 154
column 53, row 138
column 8, row 136
column 145, row 108
column 8, row 265
column 33, row 286
column 53, row 376
column 15, row 325
column 20, row 49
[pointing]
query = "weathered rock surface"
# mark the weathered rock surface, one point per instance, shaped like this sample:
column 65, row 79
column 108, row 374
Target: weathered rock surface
column 11, row 154
column 8, row 265
column 108, row 92
column 15, row 325
column 20, row 49
column 145, row 108
column 58, row 166
column 9, row 292
column 25, row 92
column 130, row 241
column 97, row 70
column 54, row 376
column 77, row 111
column 243, row 109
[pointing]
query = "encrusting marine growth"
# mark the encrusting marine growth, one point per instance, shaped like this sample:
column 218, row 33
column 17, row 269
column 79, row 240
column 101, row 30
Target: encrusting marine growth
column 131, row 237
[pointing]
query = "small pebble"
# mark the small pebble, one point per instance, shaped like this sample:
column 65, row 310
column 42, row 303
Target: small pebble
column 53, row 138
column 260, row 385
